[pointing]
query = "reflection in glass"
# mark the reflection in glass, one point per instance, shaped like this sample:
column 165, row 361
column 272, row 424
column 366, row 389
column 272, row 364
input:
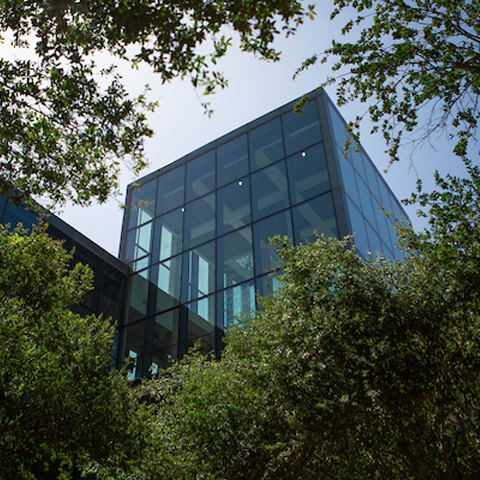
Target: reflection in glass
column 301, row 130
column 266, row 255
column 137, row 296
column 269, row 191
column 372, row 177
column 266, row 144
column 267, row 284
column 199, row 272
column 138, row 243
column 170, row 190
column 165, row 340
column 315, row 215
column 200, row 176
column 167, row 277
column 233, row 206
column 167, row 240
column 142, row 204
column 338, row 126
column 358, row 228
column 307, row 174
column 232, row 160
column 199, row 221
column 237, row 302
column 133, row 348
column 349, row 175
column 235, row 257
column 201, row 317
column 366, row 201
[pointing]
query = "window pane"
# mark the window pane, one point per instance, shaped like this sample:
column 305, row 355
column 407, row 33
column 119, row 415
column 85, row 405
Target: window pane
column 137, row 296
column 199, row 221
column 316, row 214
column 235, row 258
column 338, row 126
column 167, row 277
column 199, row 272
column 266, row 144
column 170, row 190
column 366, row 200
column 267, row 284
column 307, row 174
column 165, row 340
column 236, row 302
column 266, row 255
column 201, row 317
column 233, row 206
column 232, row 161
column 349, row 175
column 167, row 240
column 133, row 348
column 358, row 228
column 372, row 175
column 139, row 242
column 142, row 204
column 200, row 176
column 301, row 130
column 269, row 191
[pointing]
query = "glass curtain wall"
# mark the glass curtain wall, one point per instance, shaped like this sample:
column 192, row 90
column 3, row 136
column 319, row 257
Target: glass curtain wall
column 197, row 232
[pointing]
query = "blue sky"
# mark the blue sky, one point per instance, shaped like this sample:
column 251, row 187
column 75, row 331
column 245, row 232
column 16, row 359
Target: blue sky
column 255, row 88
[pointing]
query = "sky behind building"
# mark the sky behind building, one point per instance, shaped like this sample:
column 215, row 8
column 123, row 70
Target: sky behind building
column 255, row 88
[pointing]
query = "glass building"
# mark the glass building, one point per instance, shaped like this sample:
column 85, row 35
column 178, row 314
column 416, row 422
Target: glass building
column 196, row 232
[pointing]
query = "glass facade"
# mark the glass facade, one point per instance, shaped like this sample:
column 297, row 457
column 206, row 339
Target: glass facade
column 196, row 233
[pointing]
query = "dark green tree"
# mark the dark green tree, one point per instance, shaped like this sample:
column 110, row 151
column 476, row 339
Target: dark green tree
column 355, row 368
column 65, row 123
column 416, row 63
column 62, row 407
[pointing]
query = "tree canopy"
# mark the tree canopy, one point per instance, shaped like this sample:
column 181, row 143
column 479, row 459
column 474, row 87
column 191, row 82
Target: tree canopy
column 355, row 368
column 62, row 407
column 66, row 123
column 417, row 63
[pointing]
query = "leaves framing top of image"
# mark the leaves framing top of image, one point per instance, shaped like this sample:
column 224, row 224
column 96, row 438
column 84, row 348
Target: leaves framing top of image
column 406, row 58
column 66, row 123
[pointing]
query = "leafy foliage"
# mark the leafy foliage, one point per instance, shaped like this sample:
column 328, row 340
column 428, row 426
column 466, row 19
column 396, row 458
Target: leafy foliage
column 66, row 123
column 61, row 405
column 354, row 369
column 421, row 55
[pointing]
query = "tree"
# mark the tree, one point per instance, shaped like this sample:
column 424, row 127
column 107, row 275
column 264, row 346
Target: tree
column 66, row 123
column 355, row 368
column 61, row 405
column 410, row 57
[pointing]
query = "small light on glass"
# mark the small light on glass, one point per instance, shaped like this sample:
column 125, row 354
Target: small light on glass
column 304, row 154
column 183, row 209
column 240, row 182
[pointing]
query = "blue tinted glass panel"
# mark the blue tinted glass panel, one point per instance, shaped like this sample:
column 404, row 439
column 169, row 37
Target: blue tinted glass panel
column 200, row 176
column 349, row 178
column 301, row 130
column 366, row 201
column 166, row 283
column 267, row 285
column 167, row 240
column 307, row 174
column 374, row 241
column 137, row 296
column 383, row 228
column 233, row 206
column 3, row 203
column 139, row 242
column 133, row 348
column 236, row 302
column 269, row 191
column 266, row 144
column 357, row 160
column 372, row 176
column 165, row 340
column 338, row 126
column 171, row 188
column 232, row 161
column 315, row 215
column 266, row 255
column 203, row 311
column 199, row 272
column 201, row 318
column 14, row 215
column 235, row 258
column 199, row 221
column 142, row 204
column 358, row 228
